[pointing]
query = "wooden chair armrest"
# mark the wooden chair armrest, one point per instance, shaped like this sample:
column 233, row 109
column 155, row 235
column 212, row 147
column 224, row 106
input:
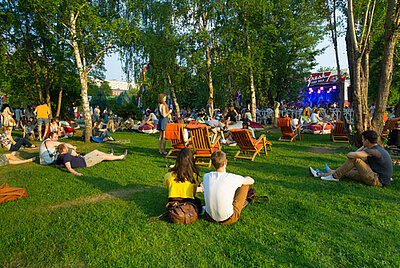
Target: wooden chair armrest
column 261, row 138
column 216, row 142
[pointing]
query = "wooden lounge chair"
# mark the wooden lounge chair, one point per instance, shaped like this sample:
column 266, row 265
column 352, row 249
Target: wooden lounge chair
column 289, row 133
column 175, row 134
column 249, row 145
column 389, row 125
column 338, row 134
column 202, row 146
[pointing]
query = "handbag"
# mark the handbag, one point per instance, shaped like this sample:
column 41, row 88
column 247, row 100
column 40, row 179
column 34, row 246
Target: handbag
column 251, row 195
column 11, row 193
column 12, row 122
column 176, row 212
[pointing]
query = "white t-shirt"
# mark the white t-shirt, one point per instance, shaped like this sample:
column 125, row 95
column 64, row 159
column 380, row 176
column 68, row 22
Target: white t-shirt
column 315, row 118
column 219, row 191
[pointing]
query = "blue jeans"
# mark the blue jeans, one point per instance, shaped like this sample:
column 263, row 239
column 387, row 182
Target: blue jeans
column 105, row 134
column 19, row 143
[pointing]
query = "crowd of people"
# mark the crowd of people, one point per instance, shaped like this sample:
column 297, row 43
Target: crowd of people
column 225, row 194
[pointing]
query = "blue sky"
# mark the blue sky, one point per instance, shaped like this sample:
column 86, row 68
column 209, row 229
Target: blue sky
column 114, row 70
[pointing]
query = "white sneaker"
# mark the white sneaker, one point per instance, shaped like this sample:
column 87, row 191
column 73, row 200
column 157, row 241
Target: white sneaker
column 329, row 178
column 313, row 172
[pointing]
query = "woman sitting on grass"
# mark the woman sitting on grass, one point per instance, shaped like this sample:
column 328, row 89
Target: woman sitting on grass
column 8, row 143
column 182, row 180
column 100, row 133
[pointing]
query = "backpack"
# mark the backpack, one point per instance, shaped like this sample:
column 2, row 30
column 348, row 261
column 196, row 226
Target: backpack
column 11, row 193
column 251, row 195
column 185, row 212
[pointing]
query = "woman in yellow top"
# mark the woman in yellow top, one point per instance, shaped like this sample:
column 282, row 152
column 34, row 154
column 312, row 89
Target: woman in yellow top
column 182, row 180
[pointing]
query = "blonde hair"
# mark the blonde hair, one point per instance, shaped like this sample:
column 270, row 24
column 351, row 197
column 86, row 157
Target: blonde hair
column 306, row 111
column 161, row 101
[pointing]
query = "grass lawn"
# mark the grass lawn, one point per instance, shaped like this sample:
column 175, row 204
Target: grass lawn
column 101, row 218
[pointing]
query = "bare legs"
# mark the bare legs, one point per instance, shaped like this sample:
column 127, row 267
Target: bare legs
column 111, row 157
column 13, row 160
column 161, row 142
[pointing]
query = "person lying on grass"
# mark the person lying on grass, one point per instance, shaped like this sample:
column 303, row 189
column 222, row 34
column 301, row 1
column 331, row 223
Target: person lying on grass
column 182, row 180
column 11, row 159
column 64, row 159
column 8, row 143
column 225, row 193
column 48, row 149
column 370, row 164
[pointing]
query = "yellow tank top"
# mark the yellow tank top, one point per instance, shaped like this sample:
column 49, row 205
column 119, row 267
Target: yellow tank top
column 180, row 189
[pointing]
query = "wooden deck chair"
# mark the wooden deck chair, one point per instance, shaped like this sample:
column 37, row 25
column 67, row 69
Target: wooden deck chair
column 338, row 134
column 389, row 125
column 249, row 145
column 176, row 135
column 289, row 133
column 202, row 146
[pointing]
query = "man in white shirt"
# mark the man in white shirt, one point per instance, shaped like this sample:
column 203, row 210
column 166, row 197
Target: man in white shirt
column 225, row 193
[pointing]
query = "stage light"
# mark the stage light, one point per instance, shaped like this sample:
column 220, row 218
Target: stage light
column 334, row 87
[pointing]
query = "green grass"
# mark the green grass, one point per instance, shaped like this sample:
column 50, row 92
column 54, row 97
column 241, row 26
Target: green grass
column 68, row 220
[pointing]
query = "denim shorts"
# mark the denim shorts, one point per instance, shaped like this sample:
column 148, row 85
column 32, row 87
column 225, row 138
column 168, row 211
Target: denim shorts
column 41, row 121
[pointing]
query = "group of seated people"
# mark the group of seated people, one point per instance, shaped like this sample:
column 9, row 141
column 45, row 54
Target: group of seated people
column 64, row 128
column 225, row 193
column 51, row 151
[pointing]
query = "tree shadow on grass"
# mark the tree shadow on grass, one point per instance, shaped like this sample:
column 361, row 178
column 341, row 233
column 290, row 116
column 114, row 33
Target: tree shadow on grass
column 146, row 197
column 284, row 171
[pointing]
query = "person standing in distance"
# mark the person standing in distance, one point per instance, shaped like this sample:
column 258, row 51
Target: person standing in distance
column 42, row 113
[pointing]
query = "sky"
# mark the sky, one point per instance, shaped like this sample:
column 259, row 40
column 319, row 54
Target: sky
column 327, row 59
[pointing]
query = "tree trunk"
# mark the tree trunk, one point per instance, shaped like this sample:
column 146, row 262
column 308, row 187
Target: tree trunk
column 83, row 80
column 175, row 100
column 359, row 65
column 59, row 103
column 251, row 75
column 391, row 37
column 231, row 92
column 208, row 64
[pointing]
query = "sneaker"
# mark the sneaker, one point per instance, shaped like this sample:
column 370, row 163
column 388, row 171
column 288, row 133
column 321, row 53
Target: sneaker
column 329, row 178
column 313, row 172
column 124, row 154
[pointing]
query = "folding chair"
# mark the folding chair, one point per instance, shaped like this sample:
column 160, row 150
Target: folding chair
column 202, row 146
column 175, row 134
column 289, row 132
column 249, row 145
column 338, row 134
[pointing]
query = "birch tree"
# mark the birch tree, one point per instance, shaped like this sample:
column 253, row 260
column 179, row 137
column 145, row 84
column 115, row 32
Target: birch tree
column 90, row 28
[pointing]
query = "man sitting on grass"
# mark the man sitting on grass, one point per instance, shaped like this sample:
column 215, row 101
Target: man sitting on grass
column 89, row 160
column 370, row 164
column 225, row 193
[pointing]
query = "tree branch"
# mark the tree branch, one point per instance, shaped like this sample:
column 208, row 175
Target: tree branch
column 98, row 57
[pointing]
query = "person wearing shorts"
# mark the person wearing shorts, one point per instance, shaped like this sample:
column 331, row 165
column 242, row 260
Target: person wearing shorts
column 11, row 159
column 42, row 113
column 89, row 160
